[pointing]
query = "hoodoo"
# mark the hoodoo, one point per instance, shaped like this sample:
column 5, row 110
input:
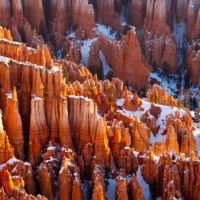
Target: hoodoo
column 99, row 99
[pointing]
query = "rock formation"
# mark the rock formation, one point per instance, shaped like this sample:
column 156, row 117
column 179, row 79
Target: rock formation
column 79, row 132
column 138, row 11
column 159, row 96
column 192, row 19
column 126, row 61
column 15, row 133
column 157, row 29
column 107, row 14
column 135, row 189
column 34, row 12
column 121, row 187
column 171, row 143
column 86, row 23
column 193, row 57
column 7, row 150
column 5, row 13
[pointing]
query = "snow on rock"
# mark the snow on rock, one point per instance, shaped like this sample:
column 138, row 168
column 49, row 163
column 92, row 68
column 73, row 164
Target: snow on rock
column 120, row 102
column 54, row 69
column 4, row 60
column 51, row 148
column 106, row 67
column 161, row 121
column 168, row 83
column 9, row 95
column 85, row 50
column 12, row 161
column 106, row 31
column 2, row 166
column 11, row 42
column 36, row 98
column 196, row 134
column 145, row 186
column 80, row 97
column 98, row 115
column 71, row 35
column 1, row 124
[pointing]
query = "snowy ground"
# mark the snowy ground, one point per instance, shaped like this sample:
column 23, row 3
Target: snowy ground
column 85, row 50
column 174, row 86
column 110, row 193
column 145, row 186
column 85, row 187
column 106, row 31
column 106, row 67
column 142, row 182
column 196, row 134
column 169, row 83
column 161, row 121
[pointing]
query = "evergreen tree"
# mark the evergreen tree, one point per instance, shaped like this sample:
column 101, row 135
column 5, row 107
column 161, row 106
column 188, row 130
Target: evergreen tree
column 194, row 103
column 110, row 75
column 187, row 81
column 187, row 99
column 197, row 115
column 180, row 101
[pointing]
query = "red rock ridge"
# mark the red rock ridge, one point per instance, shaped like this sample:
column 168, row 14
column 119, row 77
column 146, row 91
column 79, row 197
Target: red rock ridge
column 126, row 61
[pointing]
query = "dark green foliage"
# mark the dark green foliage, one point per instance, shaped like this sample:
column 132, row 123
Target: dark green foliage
column 166, row 68
column 142, row 92
column 106, row 178
column 187, row 99
column 197, row 115
column 111, row 95
column 98, row 71
column 153, row 190
column 66, row 78
column 197, row 47
column 110, row 75
column 187, row 81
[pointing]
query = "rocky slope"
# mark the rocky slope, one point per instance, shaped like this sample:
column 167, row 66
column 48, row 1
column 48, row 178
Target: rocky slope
column 67, row 135
column 99, row 34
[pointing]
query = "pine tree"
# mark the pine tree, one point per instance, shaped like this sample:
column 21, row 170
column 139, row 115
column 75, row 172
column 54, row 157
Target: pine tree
column 197, row 115
column 187, row 99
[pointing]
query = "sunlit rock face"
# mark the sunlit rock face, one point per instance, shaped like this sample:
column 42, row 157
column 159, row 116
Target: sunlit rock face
column 124, row 57
column 65, row 134
column 157, row 25
column 158, row 43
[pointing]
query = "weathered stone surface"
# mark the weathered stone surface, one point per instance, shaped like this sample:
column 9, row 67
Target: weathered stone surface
column 126, row 61
column 15, row 132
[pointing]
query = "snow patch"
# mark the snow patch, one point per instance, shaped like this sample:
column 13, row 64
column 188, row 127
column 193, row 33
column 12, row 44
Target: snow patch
column 12, row 161
column 120, row 102
column 106, row 67
column 4, row 60
column 80, row 97
column 162, row 118
column 196, row 134
column 54, row 69
column 110, row 193
column 106, row 31
column 145, row 186
column 168, row 83
column 51, row 148
column 85, row 50
column 85, row 187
